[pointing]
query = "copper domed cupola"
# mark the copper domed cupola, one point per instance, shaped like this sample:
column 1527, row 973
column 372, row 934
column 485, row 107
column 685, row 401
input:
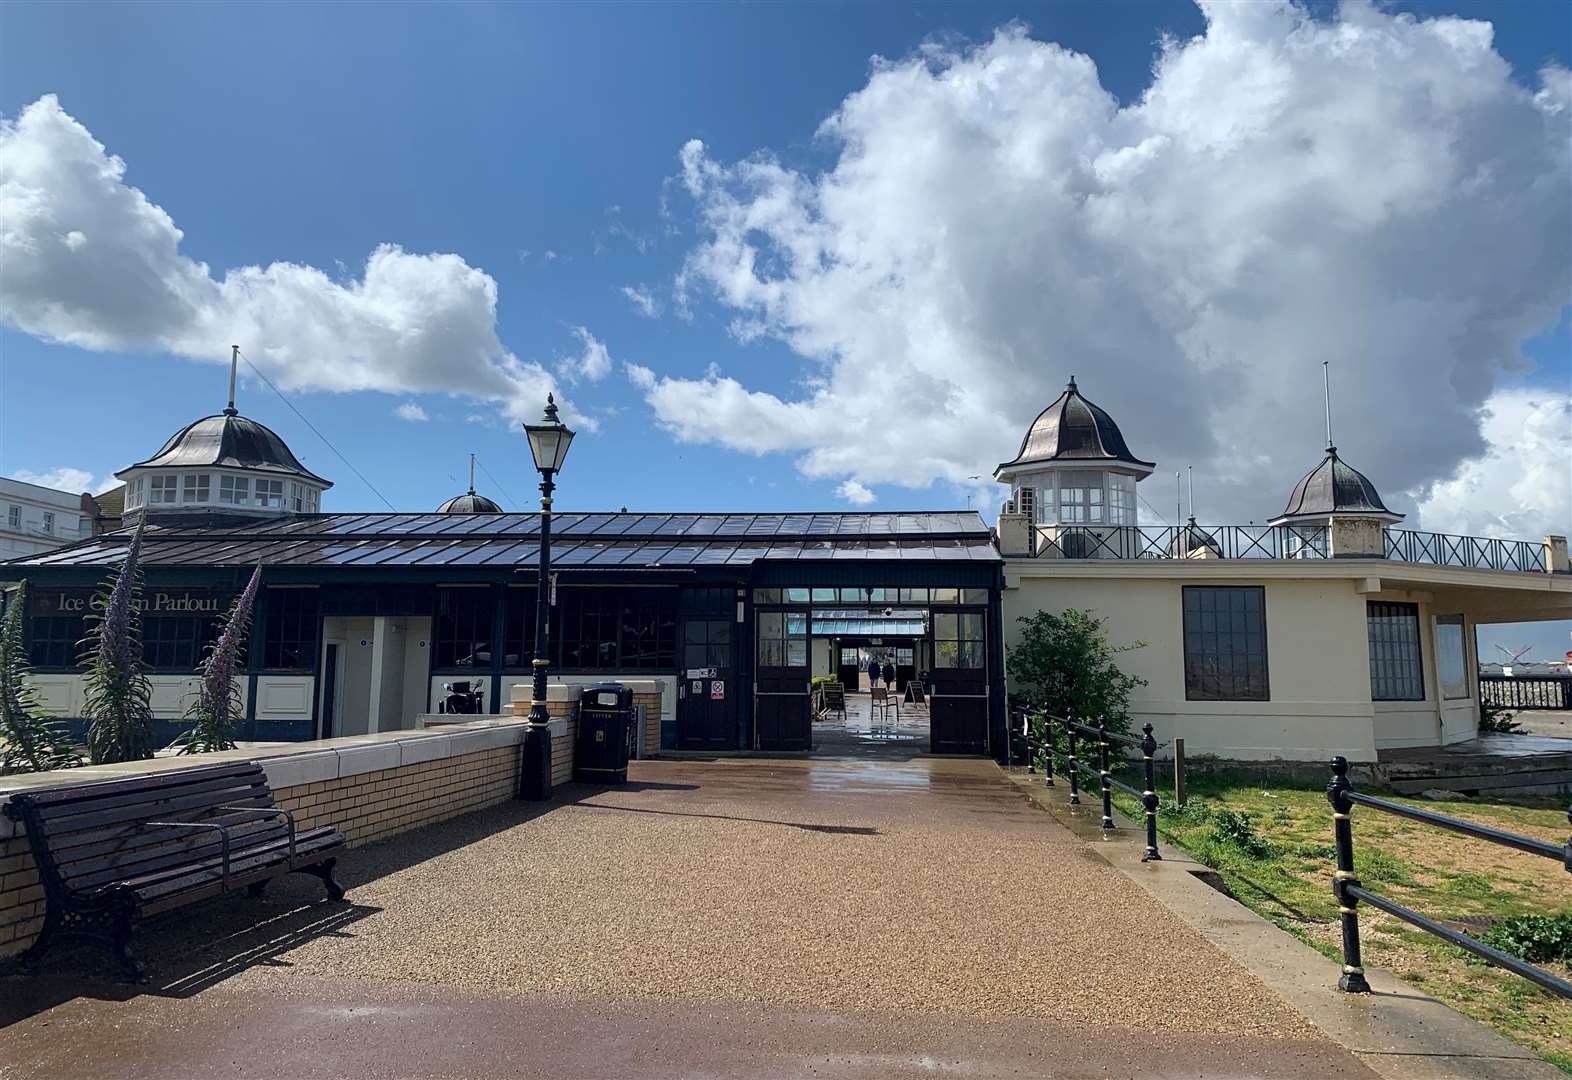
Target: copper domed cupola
column 1334, row 487
column 469, row 502
column 222, row 466
column 1074, row 467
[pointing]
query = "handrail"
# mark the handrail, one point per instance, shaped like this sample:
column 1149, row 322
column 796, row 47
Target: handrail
column 1349, row 891
column 1074, row 766
column 1192, row 541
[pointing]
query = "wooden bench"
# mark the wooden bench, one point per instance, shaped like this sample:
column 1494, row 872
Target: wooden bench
column 109, row 853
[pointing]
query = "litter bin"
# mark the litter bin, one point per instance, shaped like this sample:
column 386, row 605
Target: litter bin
column 605, row 736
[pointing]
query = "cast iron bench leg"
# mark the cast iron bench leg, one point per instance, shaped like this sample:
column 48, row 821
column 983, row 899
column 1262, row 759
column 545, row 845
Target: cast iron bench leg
column 324, row 871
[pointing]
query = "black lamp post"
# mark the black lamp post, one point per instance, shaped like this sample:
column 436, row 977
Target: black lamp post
column 548, row 445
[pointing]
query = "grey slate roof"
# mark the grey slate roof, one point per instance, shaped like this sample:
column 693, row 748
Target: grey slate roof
column 229, row 440
column 599, row 540
column 1334, row 487
column 1073, row 428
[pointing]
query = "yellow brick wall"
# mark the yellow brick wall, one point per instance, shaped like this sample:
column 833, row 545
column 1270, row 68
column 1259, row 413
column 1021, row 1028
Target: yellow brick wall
column 365, row 808
column 21, row 896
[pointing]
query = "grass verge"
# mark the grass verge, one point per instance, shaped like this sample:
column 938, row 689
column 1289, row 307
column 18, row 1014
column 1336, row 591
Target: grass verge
column 1272, row 844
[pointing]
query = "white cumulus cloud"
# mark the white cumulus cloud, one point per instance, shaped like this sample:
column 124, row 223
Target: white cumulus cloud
column 412, row 412
column 1372, row 189
column 88, row 260
column 593, row 362
column 856, row 494
column 1521, row 487
column 643, row 300
column 65, row 478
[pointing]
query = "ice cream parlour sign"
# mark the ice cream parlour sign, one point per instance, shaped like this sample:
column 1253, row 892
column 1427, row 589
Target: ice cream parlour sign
column 151, row 602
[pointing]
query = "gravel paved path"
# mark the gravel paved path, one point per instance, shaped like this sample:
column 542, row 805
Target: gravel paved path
column 847, row 919
column 921, row 887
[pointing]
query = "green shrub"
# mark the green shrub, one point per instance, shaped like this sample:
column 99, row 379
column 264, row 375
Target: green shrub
column 1234, row 829
column 1539, row 939
column 1373, row 866
column 1495, row 720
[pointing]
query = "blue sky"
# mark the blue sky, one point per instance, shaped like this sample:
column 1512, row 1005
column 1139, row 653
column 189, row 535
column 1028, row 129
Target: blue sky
column 310, row 134
column 540, row 144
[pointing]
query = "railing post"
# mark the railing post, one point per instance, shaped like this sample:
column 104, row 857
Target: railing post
column 1048, row 749
column 1026, row 737
column 1353, row 980
column 1179, row 792
column 1075, row 765
column 1149, row 796
column 1102, row 770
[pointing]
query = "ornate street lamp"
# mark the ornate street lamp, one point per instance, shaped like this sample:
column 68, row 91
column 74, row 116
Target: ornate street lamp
column 548, row 445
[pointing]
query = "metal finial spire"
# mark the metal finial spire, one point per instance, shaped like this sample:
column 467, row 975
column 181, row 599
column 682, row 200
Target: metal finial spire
column 1326, row 387
column 1178, row 499
column 1190, row 471
column 234, row 366
column 472, row 473
column 551, row 407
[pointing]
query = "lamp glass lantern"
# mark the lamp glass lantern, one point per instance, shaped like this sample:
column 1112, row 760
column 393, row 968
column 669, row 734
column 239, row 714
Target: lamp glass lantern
column 549, row 440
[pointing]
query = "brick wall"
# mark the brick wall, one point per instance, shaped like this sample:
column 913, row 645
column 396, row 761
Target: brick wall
column 21, row 896
column 366, row 804
column 376, row 805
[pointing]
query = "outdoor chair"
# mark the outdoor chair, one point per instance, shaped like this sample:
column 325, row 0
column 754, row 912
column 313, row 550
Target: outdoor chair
column 883, row 704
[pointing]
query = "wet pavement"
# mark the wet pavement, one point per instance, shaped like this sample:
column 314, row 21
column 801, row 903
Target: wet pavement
column 731, row 918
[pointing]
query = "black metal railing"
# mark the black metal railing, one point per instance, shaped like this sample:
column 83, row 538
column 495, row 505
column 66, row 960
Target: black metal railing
column 1526, row 691
column 1182, row 542
column 1277, row 542
column 1472, row 552
column 1041, row 742
column 1349, row 892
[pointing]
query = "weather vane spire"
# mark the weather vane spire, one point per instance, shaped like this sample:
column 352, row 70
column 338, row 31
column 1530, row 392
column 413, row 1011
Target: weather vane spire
column 1326, row 389
column 234, row 365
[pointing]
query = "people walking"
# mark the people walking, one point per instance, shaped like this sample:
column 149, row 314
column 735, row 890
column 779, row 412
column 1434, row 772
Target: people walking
column 889, row 673
column 873, row 671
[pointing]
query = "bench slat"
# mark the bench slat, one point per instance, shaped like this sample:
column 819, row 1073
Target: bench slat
column 163, row 809
column 157, row 887
column 64, row 811
column 157, row 782
column 117, row 866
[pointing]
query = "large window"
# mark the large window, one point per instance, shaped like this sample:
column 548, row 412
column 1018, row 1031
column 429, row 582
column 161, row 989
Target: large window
column 1225, row 643
column 1451, row 657
column 13, row 517
column 53, row 640
column 706, row 643
column 598, row 629
column 1081, row 498
column 176, row 644
column 289, row 637
column 1396, row 667
column 958, row 639
column 49, row 522
column 461, row 635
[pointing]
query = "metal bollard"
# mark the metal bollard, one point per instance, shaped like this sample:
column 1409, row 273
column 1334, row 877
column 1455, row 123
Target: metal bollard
column 1075, row 766
column 1149, row 796
column 1048, row 749
column 1353, row 980
column 1102, row 768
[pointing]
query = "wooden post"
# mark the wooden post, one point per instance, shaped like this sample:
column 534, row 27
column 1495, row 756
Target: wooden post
column 1179, row 795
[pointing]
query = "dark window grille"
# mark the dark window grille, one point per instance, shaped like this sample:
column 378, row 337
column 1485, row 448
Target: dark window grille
column 1396, row 663
column 1225, row 643
column 706, row 643
column 598, row 629
column 176, row 644
column 53, row 641
column 461, row 635
column 290, row 630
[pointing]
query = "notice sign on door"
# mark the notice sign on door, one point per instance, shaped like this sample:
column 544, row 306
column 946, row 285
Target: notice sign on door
column 718, row 690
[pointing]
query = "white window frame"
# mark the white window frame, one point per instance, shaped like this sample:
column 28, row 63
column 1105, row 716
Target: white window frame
column 268, row 494
column 196, row 489
column 164, row 490
column 14, row 517
column 49, row 522
column 234, row 490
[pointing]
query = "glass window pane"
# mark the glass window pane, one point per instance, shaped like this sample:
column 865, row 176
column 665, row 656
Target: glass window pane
column 1225, row 643
column 1451, row 657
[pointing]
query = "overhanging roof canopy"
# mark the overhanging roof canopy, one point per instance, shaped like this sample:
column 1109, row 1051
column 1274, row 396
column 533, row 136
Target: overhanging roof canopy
column 578, row 540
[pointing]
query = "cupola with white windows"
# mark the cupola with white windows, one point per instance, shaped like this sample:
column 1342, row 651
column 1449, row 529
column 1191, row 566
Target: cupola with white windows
column 222, row 466
column 1074, row 470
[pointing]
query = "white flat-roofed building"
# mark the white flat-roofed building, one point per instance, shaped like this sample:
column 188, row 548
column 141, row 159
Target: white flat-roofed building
column 34, row 518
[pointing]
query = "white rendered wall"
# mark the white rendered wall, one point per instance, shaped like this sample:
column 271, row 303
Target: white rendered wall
column 1317, row 664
